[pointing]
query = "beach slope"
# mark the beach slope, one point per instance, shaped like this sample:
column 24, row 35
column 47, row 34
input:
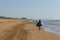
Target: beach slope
column 11, row 29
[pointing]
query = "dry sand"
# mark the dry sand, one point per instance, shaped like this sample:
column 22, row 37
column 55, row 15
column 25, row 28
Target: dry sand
column 11, row 29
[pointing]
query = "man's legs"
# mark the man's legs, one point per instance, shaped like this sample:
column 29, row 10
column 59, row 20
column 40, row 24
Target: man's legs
column 39, row 28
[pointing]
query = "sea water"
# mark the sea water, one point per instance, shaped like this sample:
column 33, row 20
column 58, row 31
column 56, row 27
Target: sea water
column 52, row 26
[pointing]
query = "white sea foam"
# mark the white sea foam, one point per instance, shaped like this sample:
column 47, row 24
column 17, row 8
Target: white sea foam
column 52, row 27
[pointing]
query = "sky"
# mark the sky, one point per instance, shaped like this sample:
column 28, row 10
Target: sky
column 34, row 9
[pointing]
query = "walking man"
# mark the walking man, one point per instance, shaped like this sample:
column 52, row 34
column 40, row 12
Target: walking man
column 39, row 24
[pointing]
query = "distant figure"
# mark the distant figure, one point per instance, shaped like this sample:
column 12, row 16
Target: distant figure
column 39, row 24
column 35, row 21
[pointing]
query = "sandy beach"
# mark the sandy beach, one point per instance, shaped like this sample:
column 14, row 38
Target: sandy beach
column 11, row 29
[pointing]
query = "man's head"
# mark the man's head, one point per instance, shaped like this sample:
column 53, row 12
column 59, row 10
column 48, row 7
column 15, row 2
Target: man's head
column 39, row 20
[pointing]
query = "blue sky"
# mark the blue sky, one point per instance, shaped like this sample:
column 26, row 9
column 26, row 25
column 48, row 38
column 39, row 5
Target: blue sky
column 35, row 9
